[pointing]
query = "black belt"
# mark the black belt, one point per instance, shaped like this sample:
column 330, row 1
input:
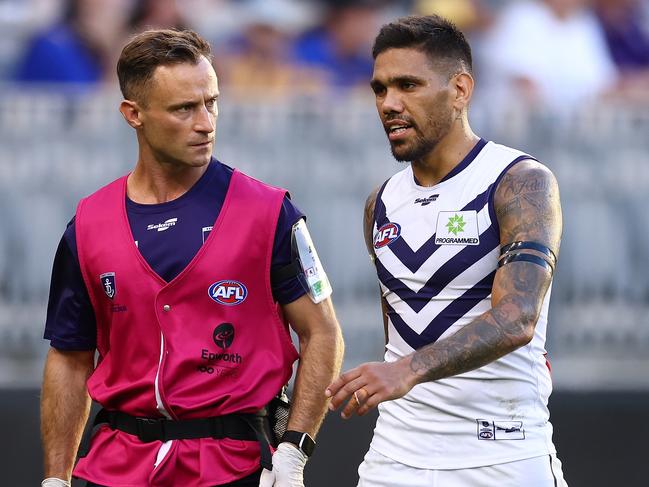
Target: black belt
column 252, row 427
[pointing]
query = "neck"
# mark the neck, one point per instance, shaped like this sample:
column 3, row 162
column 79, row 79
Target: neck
column 447, row 154
column 154, row 183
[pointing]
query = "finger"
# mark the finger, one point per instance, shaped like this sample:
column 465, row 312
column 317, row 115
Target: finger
column 357, row 400
column 341, row 381
column 267, row 478
column 371, row 402
column 346, row 392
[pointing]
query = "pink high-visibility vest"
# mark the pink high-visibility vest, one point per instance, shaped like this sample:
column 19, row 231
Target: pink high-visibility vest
column 210, row 342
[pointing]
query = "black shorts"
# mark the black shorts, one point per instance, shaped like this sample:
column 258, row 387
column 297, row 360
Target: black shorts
column 249, row 481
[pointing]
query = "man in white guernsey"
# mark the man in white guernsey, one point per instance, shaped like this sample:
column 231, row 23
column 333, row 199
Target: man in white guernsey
column 464, row 241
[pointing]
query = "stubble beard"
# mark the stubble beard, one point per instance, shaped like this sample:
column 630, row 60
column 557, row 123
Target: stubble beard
column 416, row 151
column 422, row 145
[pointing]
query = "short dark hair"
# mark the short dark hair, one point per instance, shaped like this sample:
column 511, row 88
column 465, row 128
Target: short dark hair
column 152, row 48
column 436, row 36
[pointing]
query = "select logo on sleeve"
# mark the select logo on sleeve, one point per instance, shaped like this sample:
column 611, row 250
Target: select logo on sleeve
column 387, row 234
column 457, row 228
column 228, row 292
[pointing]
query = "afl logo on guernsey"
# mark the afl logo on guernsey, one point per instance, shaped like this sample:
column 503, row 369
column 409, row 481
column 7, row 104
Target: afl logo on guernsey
column 228, row 292
column 387, row 234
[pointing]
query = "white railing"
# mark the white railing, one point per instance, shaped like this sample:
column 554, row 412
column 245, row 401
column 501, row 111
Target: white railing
column 330, row 152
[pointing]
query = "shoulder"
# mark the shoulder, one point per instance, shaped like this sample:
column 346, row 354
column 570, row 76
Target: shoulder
column 289, row 213
column 368, row 219
column 257, row 183
column 527, row 205
column 370, row 202
column 526, row 176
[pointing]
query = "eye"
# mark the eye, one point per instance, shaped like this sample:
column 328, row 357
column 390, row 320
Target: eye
column 378, row 89
column 184, row 108
column 408, row 85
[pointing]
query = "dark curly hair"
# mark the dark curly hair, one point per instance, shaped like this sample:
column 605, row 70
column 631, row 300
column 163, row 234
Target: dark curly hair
column 443, row 43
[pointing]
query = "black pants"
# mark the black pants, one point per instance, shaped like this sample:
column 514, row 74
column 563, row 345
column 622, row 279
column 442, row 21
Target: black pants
column 249, row 481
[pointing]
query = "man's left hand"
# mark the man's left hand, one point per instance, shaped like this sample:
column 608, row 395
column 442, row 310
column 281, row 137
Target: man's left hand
column 288, row 468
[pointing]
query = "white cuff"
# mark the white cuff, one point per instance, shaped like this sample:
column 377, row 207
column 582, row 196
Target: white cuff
column 55, row 482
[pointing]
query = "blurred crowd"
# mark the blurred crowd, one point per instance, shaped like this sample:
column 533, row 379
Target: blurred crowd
column 557, row 53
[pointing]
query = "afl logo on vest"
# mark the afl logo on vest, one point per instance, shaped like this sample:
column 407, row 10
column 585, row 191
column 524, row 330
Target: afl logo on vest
column 108, row 283
column 387, row 234
column 227, row 292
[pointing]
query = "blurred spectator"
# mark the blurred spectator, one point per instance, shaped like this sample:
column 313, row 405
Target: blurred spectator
column 627, row 36
column 340, row 48
column 156, row 14
column 257, row 62
column 473, row 17
column 470, row 16
column 80, row 48
column 550, row 52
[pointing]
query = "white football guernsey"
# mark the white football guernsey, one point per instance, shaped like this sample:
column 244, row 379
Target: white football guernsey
column 436, row 256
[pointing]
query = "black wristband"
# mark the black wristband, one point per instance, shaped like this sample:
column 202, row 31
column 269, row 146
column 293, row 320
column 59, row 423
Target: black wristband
column 303, row 441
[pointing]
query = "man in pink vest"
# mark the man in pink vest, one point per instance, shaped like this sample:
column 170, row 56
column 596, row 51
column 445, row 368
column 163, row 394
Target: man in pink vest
column 182, row 277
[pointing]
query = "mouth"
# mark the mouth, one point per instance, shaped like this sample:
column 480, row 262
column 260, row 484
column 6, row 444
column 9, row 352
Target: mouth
column 202, row 145
column 397, row 129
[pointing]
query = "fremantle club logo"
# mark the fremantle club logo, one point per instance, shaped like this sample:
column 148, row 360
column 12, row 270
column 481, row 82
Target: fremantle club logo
column 387, row 234
column 108, row 283
column 223, row 335
column 228, row 292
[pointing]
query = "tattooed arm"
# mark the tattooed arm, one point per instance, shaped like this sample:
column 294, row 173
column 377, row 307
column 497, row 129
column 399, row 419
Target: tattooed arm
column 528, row 209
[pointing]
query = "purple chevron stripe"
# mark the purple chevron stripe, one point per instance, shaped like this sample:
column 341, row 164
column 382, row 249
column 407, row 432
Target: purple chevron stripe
column 446, row 318
column 452, row 268
column 412, row 259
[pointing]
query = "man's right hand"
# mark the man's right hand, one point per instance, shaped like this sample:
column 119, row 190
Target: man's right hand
column 288, row 468
column 54, row 482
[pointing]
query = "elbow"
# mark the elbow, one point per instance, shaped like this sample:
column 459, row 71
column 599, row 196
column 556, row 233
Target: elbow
column 327, row 335
column 526, row 328
column 334, row 337
column 517, row 316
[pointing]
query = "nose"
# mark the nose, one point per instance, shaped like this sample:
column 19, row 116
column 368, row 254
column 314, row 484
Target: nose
column 391, row 102
column 205, row 121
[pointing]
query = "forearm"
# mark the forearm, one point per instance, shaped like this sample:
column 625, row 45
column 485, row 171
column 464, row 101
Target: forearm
column 497, row 332
column 321, row 355
column 65, row 405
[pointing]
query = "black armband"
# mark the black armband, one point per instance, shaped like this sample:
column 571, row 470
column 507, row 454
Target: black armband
column 520, row 245
column 282, row 274
column 534, row 259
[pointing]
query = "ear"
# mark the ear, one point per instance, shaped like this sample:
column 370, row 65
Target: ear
column 463, row 84
column 131, row 113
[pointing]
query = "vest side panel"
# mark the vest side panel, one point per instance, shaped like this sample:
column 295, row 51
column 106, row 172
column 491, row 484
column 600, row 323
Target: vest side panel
column 129, row 354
